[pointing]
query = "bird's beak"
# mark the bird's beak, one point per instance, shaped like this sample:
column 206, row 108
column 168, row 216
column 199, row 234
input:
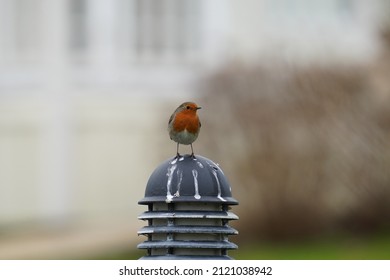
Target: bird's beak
column 197, row 108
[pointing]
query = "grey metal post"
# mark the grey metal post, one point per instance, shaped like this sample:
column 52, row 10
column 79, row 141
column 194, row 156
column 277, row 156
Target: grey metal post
column 188, row 211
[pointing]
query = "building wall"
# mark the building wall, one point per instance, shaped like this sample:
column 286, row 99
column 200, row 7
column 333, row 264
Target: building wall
column 305, row 31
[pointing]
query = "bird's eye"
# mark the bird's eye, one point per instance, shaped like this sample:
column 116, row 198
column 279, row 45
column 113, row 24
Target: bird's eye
column 188, row 107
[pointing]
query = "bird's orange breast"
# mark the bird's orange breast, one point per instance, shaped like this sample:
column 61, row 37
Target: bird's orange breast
column 186, row 121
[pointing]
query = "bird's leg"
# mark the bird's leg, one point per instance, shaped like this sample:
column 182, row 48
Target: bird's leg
column 192, row 152
column 177, row 151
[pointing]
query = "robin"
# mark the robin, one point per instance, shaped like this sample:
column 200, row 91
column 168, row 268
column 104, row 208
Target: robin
column 184, row 125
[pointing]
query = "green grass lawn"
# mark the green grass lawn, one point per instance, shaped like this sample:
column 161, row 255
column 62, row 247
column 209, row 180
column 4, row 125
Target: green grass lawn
column 340, row 248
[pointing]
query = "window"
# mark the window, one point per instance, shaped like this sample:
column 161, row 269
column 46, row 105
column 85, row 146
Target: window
column 289, row 11
column 163, row 29
column 78, row 25
column 21, row 29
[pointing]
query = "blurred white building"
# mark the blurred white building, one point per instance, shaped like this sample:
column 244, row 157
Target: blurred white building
column 85, row 86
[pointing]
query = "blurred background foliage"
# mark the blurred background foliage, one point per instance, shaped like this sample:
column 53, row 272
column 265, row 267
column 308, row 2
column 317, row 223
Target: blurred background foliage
column 307, row 148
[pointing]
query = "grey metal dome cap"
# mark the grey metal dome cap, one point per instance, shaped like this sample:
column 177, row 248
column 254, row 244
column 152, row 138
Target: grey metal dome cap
column 188, row 179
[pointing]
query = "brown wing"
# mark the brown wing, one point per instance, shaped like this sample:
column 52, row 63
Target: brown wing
column 170, row 119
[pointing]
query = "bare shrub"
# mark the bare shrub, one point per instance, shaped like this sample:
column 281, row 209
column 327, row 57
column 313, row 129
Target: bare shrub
column 303, row 148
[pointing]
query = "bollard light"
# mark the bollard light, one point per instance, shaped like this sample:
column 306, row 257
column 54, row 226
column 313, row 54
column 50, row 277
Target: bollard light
column 188, row 213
